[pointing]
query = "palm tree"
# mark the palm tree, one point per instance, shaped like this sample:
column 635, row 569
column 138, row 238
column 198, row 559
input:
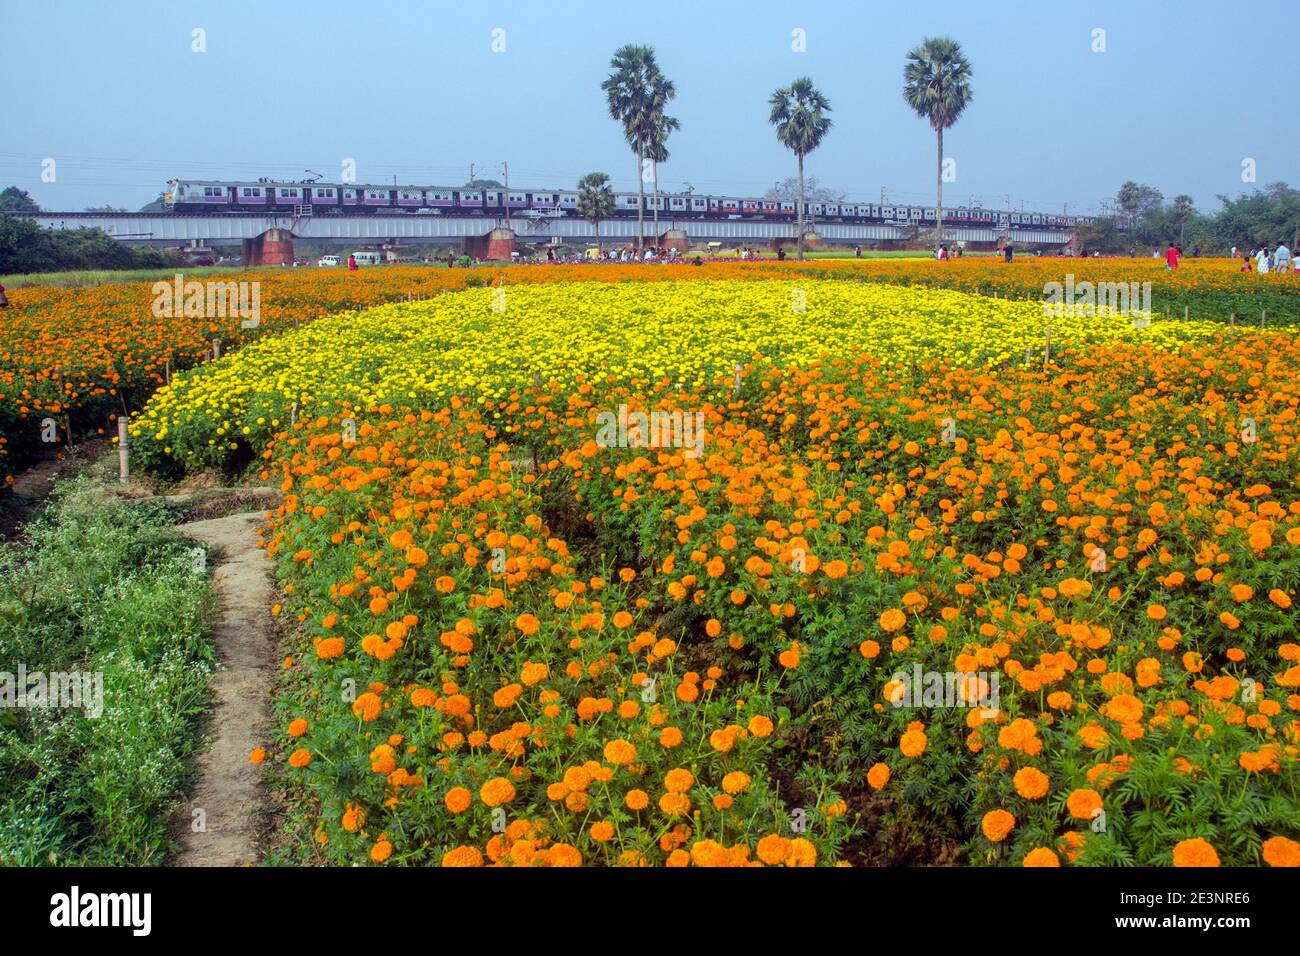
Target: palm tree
column 637, row 92
column 936, row 84
column 595, row 200
column 657, row 152
column 799, row 115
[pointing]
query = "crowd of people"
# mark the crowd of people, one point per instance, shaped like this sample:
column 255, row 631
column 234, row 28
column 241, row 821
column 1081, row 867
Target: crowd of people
column 1265, row 260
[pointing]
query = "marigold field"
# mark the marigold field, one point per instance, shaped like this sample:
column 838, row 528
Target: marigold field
column 512, row 641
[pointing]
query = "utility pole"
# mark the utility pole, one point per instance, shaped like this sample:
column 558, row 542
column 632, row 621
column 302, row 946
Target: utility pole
column 505, row 168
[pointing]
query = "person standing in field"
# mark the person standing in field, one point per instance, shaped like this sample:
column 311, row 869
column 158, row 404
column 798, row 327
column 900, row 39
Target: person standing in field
column 352, row 263
column 1282, row 258
column 1171, row 256
column 1007, row 252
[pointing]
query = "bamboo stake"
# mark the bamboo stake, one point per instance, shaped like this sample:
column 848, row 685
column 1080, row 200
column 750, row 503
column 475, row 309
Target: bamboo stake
column 123, row 454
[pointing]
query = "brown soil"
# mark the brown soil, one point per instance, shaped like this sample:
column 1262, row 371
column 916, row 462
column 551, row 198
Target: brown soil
column 228, row 788
column 29, row 489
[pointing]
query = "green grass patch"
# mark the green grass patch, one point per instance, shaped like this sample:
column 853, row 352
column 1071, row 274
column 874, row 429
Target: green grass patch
column 100, row 588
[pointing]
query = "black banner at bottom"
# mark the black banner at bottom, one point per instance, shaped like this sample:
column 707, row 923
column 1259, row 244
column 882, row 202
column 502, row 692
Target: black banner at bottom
column 339, row 905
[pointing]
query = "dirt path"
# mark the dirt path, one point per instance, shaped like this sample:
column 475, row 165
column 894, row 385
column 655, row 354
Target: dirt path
column 229, row 789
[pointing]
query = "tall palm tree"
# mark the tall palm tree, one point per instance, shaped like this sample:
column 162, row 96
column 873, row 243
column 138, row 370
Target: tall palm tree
column 637, row 92
column 657, row 152
column 595, row 200
column 936, row 84
column 799, row 115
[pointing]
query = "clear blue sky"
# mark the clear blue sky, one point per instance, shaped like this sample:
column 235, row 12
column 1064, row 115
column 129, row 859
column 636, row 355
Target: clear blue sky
column 113, row 93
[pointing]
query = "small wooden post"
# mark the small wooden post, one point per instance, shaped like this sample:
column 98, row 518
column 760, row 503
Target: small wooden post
column 1232, row 323
column 736, row 386
column 295, row 323
column 167, row 369
column 1263, row 318
column 1184, row 313
column 1047, row 350
column 123, row 459
column 216, row 349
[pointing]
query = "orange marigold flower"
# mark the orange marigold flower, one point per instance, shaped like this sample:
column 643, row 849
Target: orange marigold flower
column 773, row 849
column 463, row 856
column 997, row 824
column 892, row 620
column 300, row 757
column 329, row 647
column 497, row 791
column 1281, row 851
column 458, row 799
column 1031, row 783
column 1195, row 852
column 620, row 752
column 381, row 851
column 735, row 782
column 878, row 776
column 1040, row 856
column 678, row 780
column 367, row 706
column 1083, row 803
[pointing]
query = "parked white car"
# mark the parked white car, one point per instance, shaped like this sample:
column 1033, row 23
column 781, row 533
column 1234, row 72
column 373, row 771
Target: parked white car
column 328, row 261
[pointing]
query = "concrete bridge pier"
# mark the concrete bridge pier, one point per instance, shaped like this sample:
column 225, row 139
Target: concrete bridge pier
column 272, row 248
column 496, row 246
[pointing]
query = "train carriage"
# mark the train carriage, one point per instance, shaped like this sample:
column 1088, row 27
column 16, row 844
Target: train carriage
column 202, row 194
column 249, row 196
column 327, row 196
column 439, row 198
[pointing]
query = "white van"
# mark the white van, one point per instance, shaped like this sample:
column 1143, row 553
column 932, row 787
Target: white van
column 328, row 261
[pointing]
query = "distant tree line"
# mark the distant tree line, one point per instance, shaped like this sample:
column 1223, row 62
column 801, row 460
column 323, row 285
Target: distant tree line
column 28, row 247
column 1145, row 220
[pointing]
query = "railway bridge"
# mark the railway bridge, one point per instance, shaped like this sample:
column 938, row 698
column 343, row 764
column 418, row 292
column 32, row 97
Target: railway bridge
column 267, row 239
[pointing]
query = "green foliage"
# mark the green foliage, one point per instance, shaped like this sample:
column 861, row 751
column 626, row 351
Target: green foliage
column 27, row 247
column 102, row 588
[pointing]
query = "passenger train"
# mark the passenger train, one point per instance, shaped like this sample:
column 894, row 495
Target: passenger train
column 314, row 198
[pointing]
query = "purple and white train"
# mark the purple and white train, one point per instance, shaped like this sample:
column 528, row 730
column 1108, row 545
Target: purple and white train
column 289, row 198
